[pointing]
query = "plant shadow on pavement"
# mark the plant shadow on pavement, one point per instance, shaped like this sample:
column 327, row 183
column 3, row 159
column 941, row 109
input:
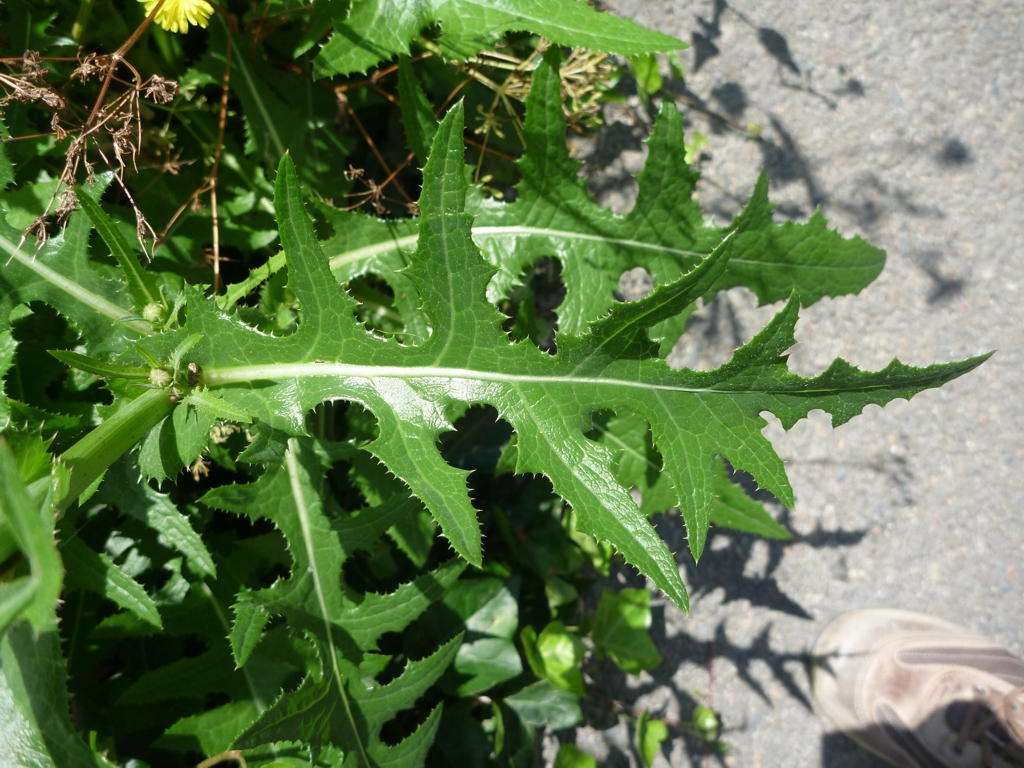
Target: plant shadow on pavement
column 839, row 751
column 613, row 694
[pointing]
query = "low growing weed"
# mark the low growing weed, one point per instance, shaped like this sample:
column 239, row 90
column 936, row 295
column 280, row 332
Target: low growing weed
column 302, row 463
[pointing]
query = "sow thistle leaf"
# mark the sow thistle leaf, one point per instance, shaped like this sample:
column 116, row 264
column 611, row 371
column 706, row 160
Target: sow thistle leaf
column 665, row 231
column 341, row 707
column 33, row 597
column 638, row 465
column 96, row 572
column 141, row 285
column 554, row 214
column 35, row 727
column 6, row 168
column 7, row 347
column 376, row 30
column 733, row 509
column 417, row 113
column 694, row 416
column 61, row 274
column 124, row 489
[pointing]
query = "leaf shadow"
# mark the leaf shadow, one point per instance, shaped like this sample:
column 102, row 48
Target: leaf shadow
column 730, row 555
column 613, row 694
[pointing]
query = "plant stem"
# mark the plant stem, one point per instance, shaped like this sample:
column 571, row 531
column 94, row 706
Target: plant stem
column 93, row 454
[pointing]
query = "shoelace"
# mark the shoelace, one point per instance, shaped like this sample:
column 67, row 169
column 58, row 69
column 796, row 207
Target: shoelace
column 986, row 727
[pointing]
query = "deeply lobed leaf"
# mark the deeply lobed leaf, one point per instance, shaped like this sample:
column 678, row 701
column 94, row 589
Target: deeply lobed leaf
column 694, row 416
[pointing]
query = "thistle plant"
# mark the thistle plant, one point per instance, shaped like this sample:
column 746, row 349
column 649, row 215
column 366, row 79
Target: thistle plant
column 280, row 482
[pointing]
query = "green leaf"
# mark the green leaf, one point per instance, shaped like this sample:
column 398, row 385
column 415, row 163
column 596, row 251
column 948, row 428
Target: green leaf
column 321, row 711
column 490, row 614
column 61, row 274
column 621, row 630
column 251, row 618
column 36, row 596
column 210, row 732
column 414, row 534
column 732, row 508
column 124, row 489
column 91, row 456
column 141, row 284
column 376, row 30
column 216, row 406
column 282, row 114
column 100, row 368
column 340, row 707
column 486, row 606
column 665, row 232
column 571, row 756
column 189, row 677
column 417, row 113
column 481, row 664
column 543, row 704
column 648, row 737
column 31, row 454
column 177, row 441
column 96, row 572
column 645, row 70
column 555, row 655
column 35, row 728
column 7, row 347
column 637, row 463
column 6, row 168
column 694, row 416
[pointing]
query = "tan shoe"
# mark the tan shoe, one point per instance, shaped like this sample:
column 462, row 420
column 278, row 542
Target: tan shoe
column 920, row 692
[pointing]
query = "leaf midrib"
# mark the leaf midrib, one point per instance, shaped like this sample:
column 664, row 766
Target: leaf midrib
column 409, row 242
column 295, row 482
column 219, row 377
column 75, row 290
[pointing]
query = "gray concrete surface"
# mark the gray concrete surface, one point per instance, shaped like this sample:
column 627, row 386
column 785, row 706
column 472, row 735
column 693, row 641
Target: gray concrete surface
column 905, row 123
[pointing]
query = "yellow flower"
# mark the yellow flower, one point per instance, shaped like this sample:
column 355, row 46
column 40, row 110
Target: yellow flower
column 176, row 15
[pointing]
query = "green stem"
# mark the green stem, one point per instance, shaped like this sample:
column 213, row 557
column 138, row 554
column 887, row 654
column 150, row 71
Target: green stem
column 93, row 454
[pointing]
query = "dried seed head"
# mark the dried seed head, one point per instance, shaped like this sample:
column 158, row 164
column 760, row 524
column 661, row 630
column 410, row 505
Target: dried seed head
column 160, row 90
column 142, row 228
column 90, row 66
column 66, row 205
column 21, row 90
column 38, row 228
column 32, row 66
